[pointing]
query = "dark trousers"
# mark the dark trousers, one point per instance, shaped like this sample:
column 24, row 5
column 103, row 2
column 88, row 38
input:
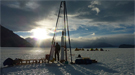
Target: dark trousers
column 57, row 53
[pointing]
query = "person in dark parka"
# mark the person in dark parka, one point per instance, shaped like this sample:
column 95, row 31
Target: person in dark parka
column 57, row 51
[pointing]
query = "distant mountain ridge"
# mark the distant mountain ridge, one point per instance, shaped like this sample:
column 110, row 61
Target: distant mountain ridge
column 35, row 42
column 95, row 44
column 98, row 44
column 10, row 39
column 126, row 46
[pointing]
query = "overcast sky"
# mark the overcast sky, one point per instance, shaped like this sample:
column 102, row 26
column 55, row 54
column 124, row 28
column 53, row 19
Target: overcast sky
column 108, row 21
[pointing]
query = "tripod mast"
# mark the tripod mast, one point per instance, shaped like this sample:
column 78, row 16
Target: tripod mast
column 66, row 28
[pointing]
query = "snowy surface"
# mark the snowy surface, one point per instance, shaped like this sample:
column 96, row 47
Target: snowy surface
column 116, row 61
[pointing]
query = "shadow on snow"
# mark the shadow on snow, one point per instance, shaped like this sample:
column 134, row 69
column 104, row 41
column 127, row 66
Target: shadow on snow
column 58, row 69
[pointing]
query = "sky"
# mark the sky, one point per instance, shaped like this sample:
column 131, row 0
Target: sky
column 89, row 20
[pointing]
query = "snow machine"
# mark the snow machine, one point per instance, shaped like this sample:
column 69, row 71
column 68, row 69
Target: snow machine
column 9, row 62
column 84, row 60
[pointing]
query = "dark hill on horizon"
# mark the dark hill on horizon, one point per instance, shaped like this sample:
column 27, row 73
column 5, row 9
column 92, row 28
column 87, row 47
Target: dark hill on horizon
column 95, row 44
column 126, row 46
column 35, row 42
column 98, row 45
column 10, row 39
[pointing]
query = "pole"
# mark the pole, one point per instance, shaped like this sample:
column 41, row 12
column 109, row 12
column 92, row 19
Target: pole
column 68, row 34
column 53, row 39
column 65, row 32
column 57, row 22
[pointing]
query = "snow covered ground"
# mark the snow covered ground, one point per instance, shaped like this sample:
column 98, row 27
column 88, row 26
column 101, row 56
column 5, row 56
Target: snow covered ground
column 116, row 61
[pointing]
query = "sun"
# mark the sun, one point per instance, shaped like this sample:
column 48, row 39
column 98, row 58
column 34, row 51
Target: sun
column 39, row 33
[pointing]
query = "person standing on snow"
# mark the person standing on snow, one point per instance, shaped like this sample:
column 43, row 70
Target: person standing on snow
column 57, row 51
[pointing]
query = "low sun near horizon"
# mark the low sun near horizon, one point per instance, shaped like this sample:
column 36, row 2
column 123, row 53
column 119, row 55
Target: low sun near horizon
column 40, row 33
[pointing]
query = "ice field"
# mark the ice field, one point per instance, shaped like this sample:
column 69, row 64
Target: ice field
column 116, row 61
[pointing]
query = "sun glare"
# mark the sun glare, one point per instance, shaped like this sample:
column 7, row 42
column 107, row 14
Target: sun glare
column 39, row 33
